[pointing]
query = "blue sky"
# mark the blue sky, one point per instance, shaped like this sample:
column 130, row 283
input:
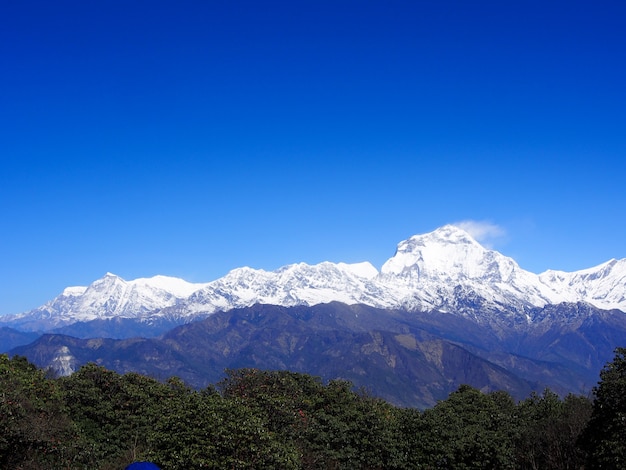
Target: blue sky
column 190, row 138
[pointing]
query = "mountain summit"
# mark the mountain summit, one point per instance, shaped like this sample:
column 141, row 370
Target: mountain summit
column 449, row 270
column 446, row 270
column 448, row 252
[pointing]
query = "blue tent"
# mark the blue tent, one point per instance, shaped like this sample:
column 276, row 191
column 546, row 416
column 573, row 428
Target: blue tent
column 142, row 466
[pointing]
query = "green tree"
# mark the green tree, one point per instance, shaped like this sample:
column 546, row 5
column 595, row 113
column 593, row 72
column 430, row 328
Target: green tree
column 114, row 413
column 409, row 438
column 549, row 429
column 468, row 430
column 349, row 430
column 35, row 431
column 330, row 426
column 605, row 436
column 282, row 397
column 205, row 430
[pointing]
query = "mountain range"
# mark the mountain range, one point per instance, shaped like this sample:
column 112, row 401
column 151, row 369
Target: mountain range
column 441, row 291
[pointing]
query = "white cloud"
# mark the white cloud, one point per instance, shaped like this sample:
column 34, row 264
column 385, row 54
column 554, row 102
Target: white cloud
column 483, row 231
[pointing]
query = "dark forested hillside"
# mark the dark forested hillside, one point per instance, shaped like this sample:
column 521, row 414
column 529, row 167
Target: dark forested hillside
column 409, row 359
column 259, row 419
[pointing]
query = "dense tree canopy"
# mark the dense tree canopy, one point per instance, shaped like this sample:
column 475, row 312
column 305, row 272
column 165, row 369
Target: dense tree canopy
column 34, row 426
column 97, row 418
column 605, row 436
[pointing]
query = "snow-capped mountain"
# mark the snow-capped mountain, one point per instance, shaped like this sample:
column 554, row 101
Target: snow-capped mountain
column 296, row 284
column 603, row 286
column 108, row 297
column 445, row 270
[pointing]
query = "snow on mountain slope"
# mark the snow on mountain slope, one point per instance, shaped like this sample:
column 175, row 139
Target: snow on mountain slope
column 427, row 271
column 295, row 284
column 445, row 270
column 108, row 297
column 172, row 285
column 603, row 286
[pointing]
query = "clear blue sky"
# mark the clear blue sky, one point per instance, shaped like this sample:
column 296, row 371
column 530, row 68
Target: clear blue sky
column 189, row 138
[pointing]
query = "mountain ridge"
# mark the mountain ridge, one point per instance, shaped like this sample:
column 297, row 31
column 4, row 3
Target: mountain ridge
column 444, row 310
column 445, row 270
column 408, row 358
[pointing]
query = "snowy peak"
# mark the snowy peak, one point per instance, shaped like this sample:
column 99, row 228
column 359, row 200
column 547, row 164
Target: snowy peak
column 117, row 297
column 107, row 297
column 364, row 269
column 603, row 286
column 448, row 253
column 449, row 270
column 73, row 291
column 294, row 284
column 173, row 285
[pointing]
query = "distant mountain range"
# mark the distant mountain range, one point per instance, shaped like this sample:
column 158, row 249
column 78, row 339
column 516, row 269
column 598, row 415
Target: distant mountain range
column 446, row 270
column 442, row 311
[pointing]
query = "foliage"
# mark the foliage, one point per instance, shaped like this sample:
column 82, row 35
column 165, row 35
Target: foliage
column 205, row 430
column 349, row 430
column 468, row 430
column 100, row 419
column 35, row 431
column 329, row 426
column 605, row 436
column 113, row 412
column 283, row 398
column 549, row 431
